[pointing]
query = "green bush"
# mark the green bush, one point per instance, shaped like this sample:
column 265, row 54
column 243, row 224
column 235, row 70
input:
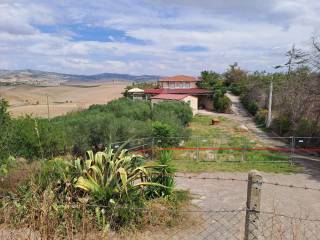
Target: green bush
column 164, row 135
column 281, row 124
column 94, row 128
column 4, row 130
column 6, row 165
column 261, row 116
column 253, row 108
column 124, row 107
column 221, row 104
column 35, row 138
column 110, row 187
column 164, row 175
column 120, row 120
column 305, row 127
column 236, row 89
column 250, row 105
column 180, row 112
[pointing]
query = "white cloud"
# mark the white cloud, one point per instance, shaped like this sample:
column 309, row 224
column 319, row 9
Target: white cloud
column 254, row 33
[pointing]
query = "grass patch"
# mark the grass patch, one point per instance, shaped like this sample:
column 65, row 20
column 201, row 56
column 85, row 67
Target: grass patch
column 222, row 137
column 206, row 166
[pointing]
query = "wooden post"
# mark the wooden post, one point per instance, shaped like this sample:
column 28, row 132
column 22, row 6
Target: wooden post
column 252, row 225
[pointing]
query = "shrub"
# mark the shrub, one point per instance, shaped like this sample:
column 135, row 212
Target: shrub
column 35, row 138
column 281, row 124
column 94, row 128
column 124, row 107
column 250, row 105
column 261, row 116
column 164, row 176
column 236, row 89
column 6, row 165
column 164, row 134
column 305, row 127
column 4, row 130
column 253, row 108
column 107, row 187
column 221, row 104
column 180, row 111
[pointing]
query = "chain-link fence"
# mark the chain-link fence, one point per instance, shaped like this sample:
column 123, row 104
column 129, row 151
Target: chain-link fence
column 195, row 222
column 279, row 226
column 226, row 149
column 219, row 221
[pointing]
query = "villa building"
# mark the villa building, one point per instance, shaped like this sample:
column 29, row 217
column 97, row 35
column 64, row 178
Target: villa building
column 181, row 88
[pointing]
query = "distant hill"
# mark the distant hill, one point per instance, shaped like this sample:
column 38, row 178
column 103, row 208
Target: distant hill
column 41, row 78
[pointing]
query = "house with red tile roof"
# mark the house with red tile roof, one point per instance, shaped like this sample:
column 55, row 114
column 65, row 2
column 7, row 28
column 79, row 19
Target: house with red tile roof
column 179, row 81
column 177, row 88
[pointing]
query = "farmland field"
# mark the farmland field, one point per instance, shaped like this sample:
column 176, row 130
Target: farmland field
column 25, row 99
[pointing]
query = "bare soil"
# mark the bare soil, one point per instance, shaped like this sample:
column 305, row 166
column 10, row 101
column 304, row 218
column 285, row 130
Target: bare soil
column 62, row 99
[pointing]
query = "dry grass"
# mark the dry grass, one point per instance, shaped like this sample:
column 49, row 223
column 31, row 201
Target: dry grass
column 17, row 176
column 160, row 218
column 33, row 100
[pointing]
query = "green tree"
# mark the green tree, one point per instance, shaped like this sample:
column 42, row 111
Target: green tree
column 234, row 75
column 164, row 134
column 209, row 80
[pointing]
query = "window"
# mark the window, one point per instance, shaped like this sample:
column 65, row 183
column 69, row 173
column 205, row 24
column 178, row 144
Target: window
column 186, row 85
column 179, row 85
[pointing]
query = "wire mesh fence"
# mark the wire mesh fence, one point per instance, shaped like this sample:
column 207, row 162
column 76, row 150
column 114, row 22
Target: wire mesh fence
column 194, row 222
column 278, row 226
column 226, row 149
column 220, row 222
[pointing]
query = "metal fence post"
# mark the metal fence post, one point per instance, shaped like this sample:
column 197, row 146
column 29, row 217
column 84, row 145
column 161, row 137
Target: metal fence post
column 252, row 224
column 243, row 150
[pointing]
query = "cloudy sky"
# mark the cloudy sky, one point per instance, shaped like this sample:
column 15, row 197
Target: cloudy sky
column 152, row 36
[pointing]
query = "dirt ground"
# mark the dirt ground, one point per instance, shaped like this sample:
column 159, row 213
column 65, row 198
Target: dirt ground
column 62, row 99
column 210, row 194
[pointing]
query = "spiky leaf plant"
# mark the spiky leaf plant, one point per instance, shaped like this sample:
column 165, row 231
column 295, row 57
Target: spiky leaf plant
column 113, row 177
column 163, row 174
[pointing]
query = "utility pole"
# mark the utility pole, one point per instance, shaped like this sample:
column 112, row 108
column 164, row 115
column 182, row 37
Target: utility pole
column 269, row 119
column 48, row 107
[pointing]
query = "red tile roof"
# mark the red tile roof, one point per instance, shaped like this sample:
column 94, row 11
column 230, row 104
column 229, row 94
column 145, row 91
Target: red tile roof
column 179, row 78
column 189, row 91
column 170, row 96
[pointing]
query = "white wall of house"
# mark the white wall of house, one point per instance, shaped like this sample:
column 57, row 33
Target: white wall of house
column 178, row 84
column 193, row 102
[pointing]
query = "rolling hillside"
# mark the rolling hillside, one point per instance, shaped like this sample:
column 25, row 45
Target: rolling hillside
column 41, row 78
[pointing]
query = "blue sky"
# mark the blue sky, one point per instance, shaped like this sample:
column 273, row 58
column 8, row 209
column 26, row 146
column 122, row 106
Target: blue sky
column 152, row 36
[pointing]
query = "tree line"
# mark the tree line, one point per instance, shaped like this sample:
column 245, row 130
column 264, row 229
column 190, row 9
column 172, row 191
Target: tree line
column 296, row 92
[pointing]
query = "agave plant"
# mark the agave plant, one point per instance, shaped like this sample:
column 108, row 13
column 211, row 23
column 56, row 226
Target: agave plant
column 164, row 175
column 111, row 176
